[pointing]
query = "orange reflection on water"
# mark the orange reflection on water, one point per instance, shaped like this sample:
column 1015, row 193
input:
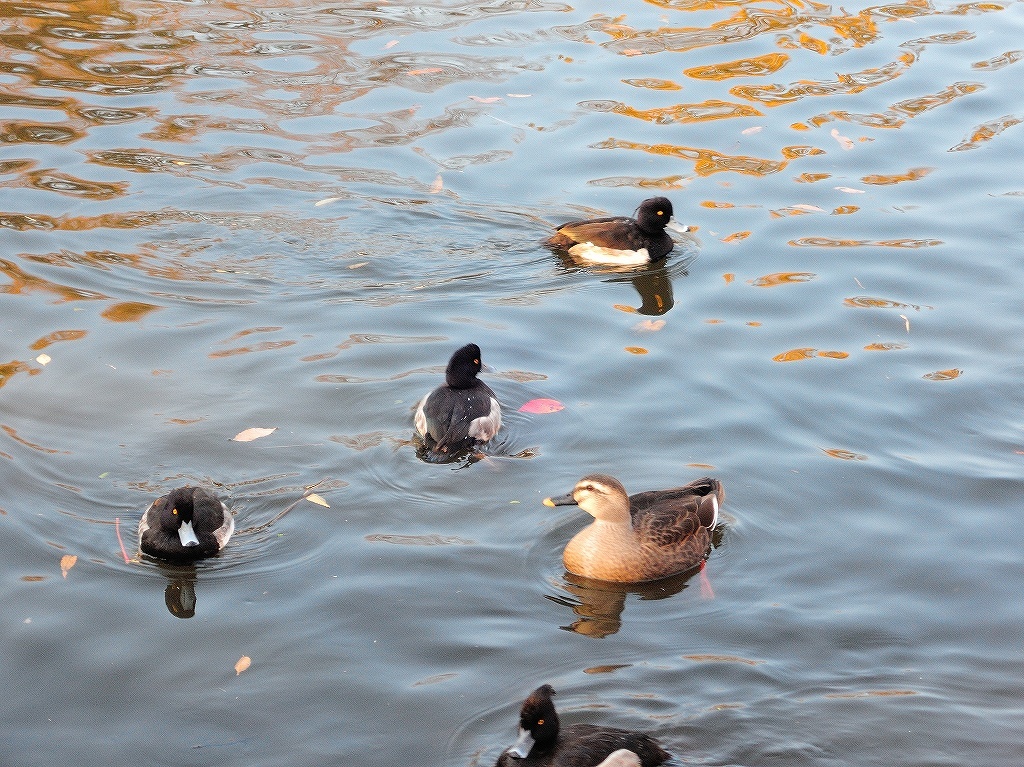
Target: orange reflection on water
column 23, row 282
column 762, row 65
column 831, row 242
column 706, row 161
column 897, row 178
column 128, row 311
column 782, row 278
column 678, row 113
column 56, row 336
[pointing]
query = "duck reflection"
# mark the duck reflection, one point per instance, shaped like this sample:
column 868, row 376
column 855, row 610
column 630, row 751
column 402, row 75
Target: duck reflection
column 180, row 592
column 652, row 282
column 598, row 605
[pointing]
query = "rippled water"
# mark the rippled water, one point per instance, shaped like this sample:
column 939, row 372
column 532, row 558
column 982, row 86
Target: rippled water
column 218, row 216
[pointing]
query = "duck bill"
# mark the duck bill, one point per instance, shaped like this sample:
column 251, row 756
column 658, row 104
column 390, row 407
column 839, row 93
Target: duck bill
column 187, row 535
column 521, row 748
column 675, row 226
column 561, row 500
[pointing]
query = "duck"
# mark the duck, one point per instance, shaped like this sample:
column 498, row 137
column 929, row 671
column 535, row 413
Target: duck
column 187, row 524
column 642, row 537
column 543, row 743
column 462, row 411
column 620, row 240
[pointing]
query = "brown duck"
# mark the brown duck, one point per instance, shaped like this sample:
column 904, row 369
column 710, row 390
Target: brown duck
column 640, row 537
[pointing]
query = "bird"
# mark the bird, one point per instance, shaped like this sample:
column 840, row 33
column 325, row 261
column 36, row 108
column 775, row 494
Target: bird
column 187, row 524
column 462, row 411
column 542, row 743
column 640, row 537
column 619, row 240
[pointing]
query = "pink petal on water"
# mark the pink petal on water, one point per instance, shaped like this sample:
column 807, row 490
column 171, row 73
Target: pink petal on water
column 542, row 406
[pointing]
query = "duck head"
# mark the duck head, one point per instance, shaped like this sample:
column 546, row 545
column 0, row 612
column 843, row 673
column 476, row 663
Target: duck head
column 176, row 515
column 599, row 495
column 463, row 367
column 538, row 723
column 655, row 215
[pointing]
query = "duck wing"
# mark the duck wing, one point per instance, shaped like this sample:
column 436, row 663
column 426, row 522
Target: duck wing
column 669, row 517
column 617, row 232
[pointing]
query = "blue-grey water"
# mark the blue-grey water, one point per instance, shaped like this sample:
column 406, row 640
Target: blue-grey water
column 218, row 216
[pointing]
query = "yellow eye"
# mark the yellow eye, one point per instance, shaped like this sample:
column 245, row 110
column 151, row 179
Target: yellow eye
column 476, row 362
column 540, row 722
column 661, row 213
column 174, row 511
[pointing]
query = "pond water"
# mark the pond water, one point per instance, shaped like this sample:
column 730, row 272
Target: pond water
column 287, row 215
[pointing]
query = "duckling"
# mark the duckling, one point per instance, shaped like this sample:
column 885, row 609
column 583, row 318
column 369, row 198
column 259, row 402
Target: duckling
column 641, row 537
column 619, row 240
column 462, row 411
column 542, row 743
column 187, row 524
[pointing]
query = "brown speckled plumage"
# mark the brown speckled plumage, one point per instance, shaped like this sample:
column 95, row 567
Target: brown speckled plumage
column 642, row 537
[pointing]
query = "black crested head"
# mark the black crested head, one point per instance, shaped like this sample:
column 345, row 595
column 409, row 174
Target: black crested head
column 180, row 504
column 654, row 214
column 538, row 717
column 463, row 367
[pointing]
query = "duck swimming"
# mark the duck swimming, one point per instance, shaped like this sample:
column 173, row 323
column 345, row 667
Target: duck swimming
column 462, row 411
column 542, row 743
column 187, row 524
column 640, row 537
column 620, row 240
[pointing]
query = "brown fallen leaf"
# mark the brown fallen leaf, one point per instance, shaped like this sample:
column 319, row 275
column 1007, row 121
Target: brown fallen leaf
column 254, row 433
column 243, row 663
column 66, row 563
column 318, row 500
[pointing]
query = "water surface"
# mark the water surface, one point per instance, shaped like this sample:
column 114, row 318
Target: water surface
column 219, row 217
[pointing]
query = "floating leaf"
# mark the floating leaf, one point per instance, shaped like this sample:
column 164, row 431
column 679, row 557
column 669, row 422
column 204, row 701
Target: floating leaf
column 795, row 354
column 649, row 325
column 844, row 142
column 943, row 375
column 636, row 350
column 66, row 563
column 318, row 500
column 243, row 663
column 254, row 433
column 737, row 236
column 42, row 359
column 542, row 406
column 843, row 455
